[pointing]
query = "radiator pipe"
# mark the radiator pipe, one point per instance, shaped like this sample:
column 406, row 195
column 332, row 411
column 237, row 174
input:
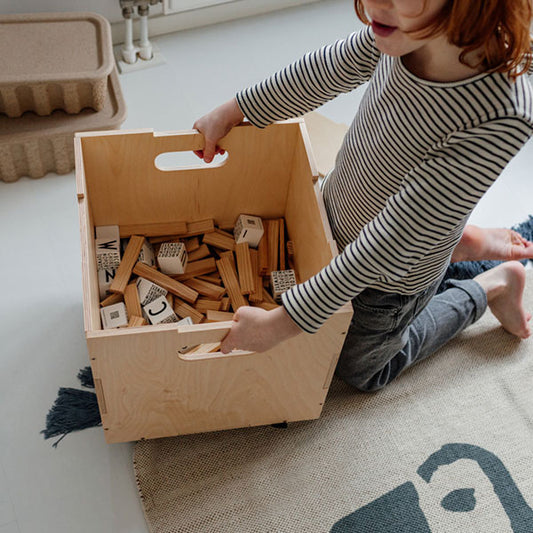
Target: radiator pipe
column 129, row 51
column 145, row 46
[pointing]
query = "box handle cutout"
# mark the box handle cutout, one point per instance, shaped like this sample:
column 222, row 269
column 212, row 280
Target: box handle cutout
column 211, row 355
column 190, row 336
column 186, row 160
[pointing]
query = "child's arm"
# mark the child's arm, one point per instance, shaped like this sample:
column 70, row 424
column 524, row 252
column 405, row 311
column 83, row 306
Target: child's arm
column 412, row 237
column 258, row 330
column 312, row 81
column 331, row 70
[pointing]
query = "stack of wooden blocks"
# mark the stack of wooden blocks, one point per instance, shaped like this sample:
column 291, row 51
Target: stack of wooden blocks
column 191, row 272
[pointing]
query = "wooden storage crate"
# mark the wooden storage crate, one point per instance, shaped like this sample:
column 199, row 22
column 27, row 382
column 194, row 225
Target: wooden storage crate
column 145, row 387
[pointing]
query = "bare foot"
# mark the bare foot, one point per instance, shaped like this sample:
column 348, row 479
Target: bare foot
column 504, row 286
column 498, row 244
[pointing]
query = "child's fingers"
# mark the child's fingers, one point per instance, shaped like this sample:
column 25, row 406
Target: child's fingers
column 227, row 344
column 210, row 149
column 200, row 153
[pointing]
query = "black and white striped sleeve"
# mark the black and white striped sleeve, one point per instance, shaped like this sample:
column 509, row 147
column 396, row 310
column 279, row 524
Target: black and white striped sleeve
column 432, row 200
column 312, row 80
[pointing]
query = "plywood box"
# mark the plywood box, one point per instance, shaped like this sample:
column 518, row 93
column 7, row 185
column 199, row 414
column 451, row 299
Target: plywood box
column 147, row 384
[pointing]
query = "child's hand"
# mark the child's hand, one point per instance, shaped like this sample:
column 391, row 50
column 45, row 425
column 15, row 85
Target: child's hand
column 215, row 125
column 256, row 330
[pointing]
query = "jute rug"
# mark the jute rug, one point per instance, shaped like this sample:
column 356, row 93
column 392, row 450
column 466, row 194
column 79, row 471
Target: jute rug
column 446, row 448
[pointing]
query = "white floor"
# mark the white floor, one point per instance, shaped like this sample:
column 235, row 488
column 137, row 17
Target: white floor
column 86, row 485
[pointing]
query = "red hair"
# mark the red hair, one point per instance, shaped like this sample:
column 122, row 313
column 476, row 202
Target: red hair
column 499, row 28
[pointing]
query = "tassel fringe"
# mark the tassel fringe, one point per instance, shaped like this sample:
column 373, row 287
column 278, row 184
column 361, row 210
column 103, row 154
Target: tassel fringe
column 85, row 376
column 73, row 410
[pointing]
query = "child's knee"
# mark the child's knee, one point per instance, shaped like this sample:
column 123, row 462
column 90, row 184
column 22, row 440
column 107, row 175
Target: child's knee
column 360, row 382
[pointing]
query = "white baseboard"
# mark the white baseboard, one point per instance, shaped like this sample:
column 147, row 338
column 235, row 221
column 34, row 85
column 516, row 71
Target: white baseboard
column 161, row 24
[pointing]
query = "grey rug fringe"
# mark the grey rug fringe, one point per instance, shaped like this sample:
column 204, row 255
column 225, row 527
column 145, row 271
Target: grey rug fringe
column 73, row 410
column 76, row 409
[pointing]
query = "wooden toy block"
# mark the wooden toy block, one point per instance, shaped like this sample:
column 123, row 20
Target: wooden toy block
column 267, row 306
column 148, row 291
column 197, row 268
column 172, row 258
column 262, row 250
column 112, row 299
column 199, row 227
column 268, row 298
column 192, row 244
column 280, row 282
column 226, row 304
column 230, row 255
column 218, row 240
column 282, row 244
column 205, row 304
column 159, row 312
column 210, row 290
column 107, row 232
column 107, row 253
column 114, row 316
column 170, row 299
column 153, row 230
column 273, row 245
column 290, row 254
column 211, row 278
column 136, row 321
column 204, row 348
column 218, row 316
column 147, row 255
column 224, row 233
column 290, row 259
column 228, row 228
column 257, row 293
column 131, row 299
column 229, row 278
column 156, row 247
column 244, row 268
column 187, row 321
column 168, row 283
column 248, row 228
column 200, row 253
column 105, row 278
column 131, row 255
column 182, row 309
column 164, row 238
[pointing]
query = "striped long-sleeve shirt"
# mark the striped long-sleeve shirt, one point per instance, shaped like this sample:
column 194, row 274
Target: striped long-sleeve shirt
column 416, row 160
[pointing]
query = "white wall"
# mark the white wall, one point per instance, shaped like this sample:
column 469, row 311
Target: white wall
column 158, row 23
column 108, row 8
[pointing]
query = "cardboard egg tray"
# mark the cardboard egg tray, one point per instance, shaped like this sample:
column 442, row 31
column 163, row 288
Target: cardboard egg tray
column 32, row 145
column 54, row 61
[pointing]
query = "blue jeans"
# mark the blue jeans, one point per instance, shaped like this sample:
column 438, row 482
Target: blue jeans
column 391, row 332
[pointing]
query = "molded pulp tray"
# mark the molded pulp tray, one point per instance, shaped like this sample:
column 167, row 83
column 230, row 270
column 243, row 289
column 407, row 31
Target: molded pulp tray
column 33, row 146
column 54, row 61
